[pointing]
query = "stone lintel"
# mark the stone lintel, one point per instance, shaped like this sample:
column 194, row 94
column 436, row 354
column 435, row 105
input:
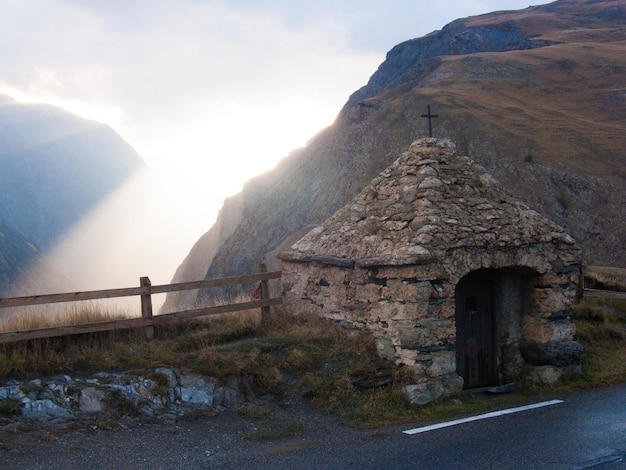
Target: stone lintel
column 394, row 261
column 298, row 257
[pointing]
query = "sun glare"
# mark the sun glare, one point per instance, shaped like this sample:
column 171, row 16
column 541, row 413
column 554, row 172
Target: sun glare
column 107, row 114
column 228, row 148
column 149, row 224
column 143, row 229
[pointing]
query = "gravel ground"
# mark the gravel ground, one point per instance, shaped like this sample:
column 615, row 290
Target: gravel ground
column 225, row 440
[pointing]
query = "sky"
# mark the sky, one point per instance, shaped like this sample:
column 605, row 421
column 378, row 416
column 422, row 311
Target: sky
column 209, row 92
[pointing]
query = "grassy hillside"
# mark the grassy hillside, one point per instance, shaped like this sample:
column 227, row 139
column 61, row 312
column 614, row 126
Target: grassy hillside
column 536, row 96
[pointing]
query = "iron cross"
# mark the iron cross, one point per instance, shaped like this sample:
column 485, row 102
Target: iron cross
column 430, row 116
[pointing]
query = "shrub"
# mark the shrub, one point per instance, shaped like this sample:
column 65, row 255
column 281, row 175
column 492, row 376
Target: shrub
column 564, row 197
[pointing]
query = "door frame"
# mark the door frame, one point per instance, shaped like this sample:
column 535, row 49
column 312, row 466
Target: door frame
column 476, row 356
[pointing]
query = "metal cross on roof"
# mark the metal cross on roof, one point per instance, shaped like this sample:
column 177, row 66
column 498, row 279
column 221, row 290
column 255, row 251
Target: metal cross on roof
column 430, row 116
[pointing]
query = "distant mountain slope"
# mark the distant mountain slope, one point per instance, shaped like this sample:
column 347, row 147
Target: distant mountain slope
column 54, row 167
column 536, row 96
column 15, row 251
column 16, row 255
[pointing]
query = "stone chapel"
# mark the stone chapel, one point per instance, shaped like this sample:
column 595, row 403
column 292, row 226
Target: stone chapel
column 454, row 278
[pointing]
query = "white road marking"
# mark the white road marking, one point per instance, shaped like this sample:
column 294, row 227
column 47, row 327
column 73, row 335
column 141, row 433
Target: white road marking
column 493, row 414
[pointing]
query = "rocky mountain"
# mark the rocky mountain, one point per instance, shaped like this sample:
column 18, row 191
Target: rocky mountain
column 536, row 96
column 54, row 168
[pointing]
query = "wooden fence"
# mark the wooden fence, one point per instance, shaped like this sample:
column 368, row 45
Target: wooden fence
column 614, row 277
column 147, row 320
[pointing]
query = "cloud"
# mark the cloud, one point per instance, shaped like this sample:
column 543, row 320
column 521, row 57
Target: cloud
column 163, row 64
column 210, row 92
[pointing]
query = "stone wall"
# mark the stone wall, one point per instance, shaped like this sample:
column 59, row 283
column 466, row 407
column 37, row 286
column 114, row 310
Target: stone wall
column 410, row 309
column 390, row 262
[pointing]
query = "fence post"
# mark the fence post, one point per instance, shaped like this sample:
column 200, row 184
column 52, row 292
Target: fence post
column 265, row 295
column 146, row 306
column 580, row 288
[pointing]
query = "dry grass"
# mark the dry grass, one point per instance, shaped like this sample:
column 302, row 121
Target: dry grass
column 601, row 328
column 307, row 355
column 173, row 345
column 52, row 315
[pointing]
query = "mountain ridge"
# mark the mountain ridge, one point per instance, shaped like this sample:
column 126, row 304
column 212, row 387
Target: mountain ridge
column 547, row 122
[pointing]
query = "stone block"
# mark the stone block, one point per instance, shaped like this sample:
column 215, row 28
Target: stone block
column 555, row 353
column 370, row 292
column 452, row 384
column 385, row 348
column 536, row 330
column 442, row 364
column 402, row 291
column 406, row 356
column 544, row 375
column 546, row 301
column 421, row 394
column 563, row 330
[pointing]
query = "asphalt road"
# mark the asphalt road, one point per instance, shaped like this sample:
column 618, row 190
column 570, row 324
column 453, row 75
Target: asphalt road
column 587, row 430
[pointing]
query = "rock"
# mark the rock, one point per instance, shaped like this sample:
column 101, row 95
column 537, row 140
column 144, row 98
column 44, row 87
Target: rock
column 192, row 395
column 545, row 374
column 452, row 384
column 197, row 389
column 44, row 410
column 443, row 363
column 428, row 391
column 227, row 397
column 91, row 400
column 66, row 398
column 421, row 394
column 59, row 389
column 11, row 392
column 63, row 379
column 555, row 353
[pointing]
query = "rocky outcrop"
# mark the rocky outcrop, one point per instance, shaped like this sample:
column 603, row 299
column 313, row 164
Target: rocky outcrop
column 457, row 38
column 161, row 394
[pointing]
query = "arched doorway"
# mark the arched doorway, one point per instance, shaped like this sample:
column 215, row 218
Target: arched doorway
column 489, row 306
column 475, row 330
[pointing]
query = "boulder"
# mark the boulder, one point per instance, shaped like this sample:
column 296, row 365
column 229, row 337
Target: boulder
column 554, row 353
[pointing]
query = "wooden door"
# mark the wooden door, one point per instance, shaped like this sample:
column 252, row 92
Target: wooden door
column 475, row 330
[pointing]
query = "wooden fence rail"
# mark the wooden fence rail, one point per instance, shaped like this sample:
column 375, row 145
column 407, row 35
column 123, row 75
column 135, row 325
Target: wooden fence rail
column 148, row 320
column 145, row 291
column 603, row 275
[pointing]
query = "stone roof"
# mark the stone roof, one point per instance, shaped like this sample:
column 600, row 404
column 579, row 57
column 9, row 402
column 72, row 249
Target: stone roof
column 428, row 202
